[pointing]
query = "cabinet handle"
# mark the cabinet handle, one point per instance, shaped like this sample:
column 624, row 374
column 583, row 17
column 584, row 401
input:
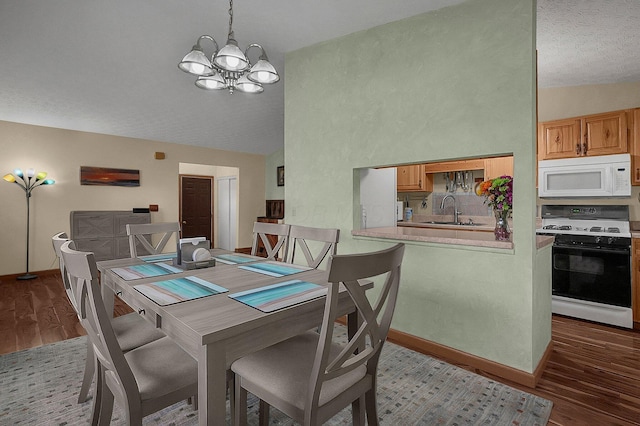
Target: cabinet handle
column 578, row 148
column 141, row 311
column 584, row 148
column 118, row 293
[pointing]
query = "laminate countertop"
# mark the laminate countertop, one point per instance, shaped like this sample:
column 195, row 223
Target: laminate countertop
column 477, row 236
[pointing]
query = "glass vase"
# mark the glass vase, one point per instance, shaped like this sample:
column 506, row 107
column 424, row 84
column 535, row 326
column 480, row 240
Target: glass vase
column 501, row 231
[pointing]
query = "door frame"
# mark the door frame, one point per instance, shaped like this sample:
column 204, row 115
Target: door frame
column 233, row 206
column 211, row 195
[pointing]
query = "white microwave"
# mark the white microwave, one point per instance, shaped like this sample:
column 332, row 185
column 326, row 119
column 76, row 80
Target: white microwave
column 599, row 176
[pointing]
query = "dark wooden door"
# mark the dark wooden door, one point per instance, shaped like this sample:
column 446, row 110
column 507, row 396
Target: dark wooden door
column 196, row 207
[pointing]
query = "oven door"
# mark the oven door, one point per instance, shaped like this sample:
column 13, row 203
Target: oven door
column 595, row 274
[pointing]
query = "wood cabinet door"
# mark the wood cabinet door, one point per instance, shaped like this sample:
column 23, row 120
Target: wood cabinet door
column 454, row 166
column 498, row 166
column 634, row 145
column 410, row 178
column 559, row 139
column 605, row 134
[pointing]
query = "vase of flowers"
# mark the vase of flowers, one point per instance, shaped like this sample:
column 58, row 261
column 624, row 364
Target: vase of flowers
column 498, row 194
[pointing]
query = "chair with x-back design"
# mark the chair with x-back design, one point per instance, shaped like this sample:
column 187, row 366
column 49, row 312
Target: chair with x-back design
column 140, row 233
column 314, row 243
column 310, row 377
column 261, row 233
column 131, row 329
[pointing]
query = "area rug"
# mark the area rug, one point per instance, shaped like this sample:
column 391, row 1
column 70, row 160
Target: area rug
column 40, row 386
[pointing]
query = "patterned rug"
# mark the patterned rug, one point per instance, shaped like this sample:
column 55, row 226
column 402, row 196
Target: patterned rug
column 39, row 386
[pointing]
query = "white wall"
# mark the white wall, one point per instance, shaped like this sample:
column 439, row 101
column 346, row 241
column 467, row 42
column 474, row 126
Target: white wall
column 62, row 152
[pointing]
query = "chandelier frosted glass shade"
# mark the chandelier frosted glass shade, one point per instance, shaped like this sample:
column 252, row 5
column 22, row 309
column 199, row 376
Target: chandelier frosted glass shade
column 229, row 67
column 196, row 62
column 263, row 72
column 245, row 85
column 211, row 82
column 230, row 58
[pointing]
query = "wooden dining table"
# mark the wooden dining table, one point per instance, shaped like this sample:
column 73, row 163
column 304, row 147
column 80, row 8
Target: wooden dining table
column 216, row 330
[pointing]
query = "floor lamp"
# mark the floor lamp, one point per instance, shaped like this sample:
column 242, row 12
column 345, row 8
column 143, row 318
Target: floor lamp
column 28, row 184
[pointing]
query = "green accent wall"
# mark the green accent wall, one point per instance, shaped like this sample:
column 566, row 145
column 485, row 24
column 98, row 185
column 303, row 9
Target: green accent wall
column 455, row 83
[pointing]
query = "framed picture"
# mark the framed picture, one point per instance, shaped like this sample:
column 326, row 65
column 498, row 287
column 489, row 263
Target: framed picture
column 109, row 176
column 280, row 176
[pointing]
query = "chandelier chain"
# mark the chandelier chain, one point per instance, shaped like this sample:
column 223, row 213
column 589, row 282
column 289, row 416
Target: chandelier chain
column 231, row 19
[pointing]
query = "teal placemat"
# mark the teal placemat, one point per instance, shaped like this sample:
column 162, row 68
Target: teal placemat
column 234, row 259
column 179, row 290
column 158, row 257
column 277, row 296
column 275, row 269
column 145, row 271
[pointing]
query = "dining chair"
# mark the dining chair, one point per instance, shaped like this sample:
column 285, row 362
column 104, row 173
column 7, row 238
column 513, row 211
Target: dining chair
column 140, row 233
column 310, row 377
column 261, row 231
column 131, row 329
column 143, row 380
column 301, row 236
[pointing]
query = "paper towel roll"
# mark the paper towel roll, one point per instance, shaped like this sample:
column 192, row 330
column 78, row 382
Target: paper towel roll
column 201, row 254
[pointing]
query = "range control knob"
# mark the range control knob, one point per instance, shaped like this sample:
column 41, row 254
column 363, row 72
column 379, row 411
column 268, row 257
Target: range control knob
column 611, row 240
column 598, row 239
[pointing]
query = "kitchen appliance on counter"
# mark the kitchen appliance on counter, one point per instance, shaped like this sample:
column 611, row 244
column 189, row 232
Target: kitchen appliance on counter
column 598, row 176
column 591, row 261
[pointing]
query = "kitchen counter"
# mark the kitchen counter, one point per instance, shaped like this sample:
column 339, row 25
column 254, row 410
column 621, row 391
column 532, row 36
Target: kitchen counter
column 442, row 235
column 486, row 227
column 465, row 235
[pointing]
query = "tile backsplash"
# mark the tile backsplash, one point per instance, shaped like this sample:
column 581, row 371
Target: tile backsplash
column 469, row 204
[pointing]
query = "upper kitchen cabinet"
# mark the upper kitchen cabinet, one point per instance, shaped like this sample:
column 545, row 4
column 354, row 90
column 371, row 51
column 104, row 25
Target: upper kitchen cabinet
column 598, row 134
column 413, row 178
column 454, row 166
column 558, row 139
column 498, row 166
column 605, row 134
column 634, row 124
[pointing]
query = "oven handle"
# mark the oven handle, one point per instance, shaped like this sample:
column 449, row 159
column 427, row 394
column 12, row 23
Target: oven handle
column 593, row 249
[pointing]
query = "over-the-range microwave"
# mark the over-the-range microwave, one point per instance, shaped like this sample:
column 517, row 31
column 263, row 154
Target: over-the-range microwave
column 599, row 176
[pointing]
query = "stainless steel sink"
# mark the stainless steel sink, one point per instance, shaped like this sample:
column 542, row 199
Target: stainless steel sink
column 440, row 223
column 435, row 222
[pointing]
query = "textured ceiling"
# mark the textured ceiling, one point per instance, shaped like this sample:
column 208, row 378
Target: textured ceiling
column 588, row 42
column 111, row 66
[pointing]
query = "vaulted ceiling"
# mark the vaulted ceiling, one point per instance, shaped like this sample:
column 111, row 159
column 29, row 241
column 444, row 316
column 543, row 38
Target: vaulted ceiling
column 111, row 66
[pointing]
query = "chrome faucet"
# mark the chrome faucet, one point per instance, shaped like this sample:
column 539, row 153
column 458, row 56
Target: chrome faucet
column 455, row 210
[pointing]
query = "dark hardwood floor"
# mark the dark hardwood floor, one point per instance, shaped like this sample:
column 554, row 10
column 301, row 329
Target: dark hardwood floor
column 592, row 377
column 37, row 312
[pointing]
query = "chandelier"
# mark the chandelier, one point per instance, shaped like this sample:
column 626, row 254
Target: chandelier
column 228, row 67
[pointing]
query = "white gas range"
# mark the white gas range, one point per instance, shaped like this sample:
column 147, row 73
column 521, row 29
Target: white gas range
column 591, row 261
